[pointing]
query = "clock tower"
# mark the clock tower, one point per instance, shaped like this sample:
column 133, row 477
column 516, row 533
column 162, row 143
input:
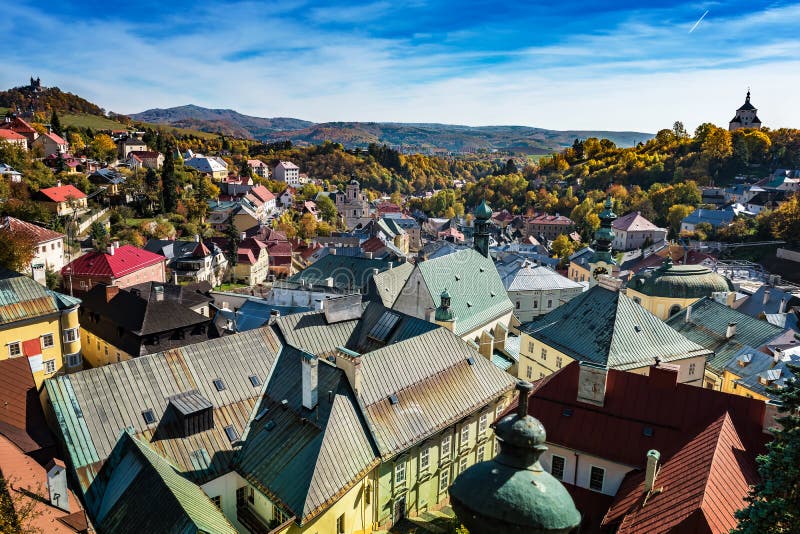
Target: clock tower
column 602, row 262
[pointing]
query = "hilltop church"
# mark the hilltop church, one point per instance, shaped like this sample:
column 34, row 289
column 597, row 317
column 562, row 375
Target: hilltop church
column 746, row 116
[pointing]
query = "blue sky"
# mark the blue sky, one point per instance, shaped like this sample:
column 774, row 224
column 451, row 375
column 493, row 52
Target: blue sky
column 560, row 65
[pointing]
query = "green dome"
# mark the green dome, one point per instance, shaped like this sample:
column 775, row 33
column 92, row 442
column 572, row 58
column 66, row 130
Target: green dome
column 512, row 492
column 483, row 211
column 681, row 281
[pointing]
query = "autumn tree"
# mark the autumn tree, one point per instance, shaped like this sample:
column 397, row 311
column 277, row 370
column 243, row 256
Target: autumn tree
column 103, row 148
column 18, row 511
column 76, row 142
column 17, row 249
column 785, row 220
column 773, row 504
column 562, row 246
column 676, row 214
column 307, row 227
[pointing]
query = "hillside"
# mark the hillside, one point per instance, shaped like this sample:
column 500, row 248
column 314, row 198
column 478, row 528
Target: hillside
column 37, row 98
column 416, row 136
column 226, row 121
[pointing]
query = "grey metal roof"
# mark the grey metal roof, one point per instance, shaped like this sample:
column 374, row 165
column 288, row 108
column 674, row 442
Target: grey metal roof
column 304, row 459
column 311, row 333
column 522, row 276
column 757, row 367
column 190, row 402
column 91, row 407
column 607, row 328
column 390, row 282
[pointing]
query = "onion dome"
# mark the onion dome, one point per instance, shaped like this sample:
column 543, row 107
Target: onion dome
column 483, row 212
column 681, row 282
column 444, row 312
column 512, row 492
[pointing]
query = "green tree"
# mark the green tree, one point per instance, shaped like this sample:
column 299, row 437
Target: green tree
column 170, row 182
column 676, row 214
column 234, row 238
column 773, row 504
column 55, row 123
column 327, row 210
column 99, row 235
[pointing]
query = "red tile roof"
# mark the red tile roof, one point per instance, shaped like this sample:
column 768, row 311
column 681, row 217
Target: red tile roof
column 674, row 412
column 550, row 219
column 27, row 477
column 57, row 139
column 373, row 244
column 40, row 234
column 62, row 193
column 11, row 134
column 701, row 486
column 264, row 194
column 125, row 260
column 18, row 125
column 21, row 416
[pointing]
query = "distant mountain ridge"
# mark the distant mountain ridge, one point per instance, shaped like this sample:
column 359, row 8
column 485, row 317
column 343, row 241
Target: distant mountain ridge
column 420, row 136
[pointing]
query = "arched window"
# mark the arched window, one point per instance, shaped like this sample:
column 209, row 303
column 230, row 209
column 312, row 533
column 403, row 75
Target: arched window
column 674, row 309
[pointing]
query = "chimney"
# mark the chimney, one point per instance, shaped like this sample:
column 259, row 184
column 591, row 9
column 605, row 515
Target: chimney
column 651, row 471
column 111, row 249
column 592, row 383
column 175, row 277
column 309, row 365
column 57, row 484
column 776, row 357
column 368, row 255
column 196, row 238
column 111, row 292
column 770, row 417
column 688, row 314
column 159, row 293
column 350, row 362
column 116, row 244
column 273, row 316
column 244, row 236
column 731, row 331
column 767, row 293
column 375, row 271
column 782, row 306
column 58, row 183
column 429, row 314
column 332, row 250
column 391, row 264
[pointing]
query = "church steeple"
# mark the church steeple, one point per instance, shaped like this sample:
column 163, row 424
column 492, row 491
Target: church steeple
column 483, row 214
column 746, row 116
column 604, row 236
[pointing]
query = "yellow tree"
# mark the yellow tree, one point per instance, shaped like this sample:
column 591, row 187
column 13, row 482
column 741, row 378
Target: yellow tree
column 76, row 142
column 785, row 220
column 103, row 147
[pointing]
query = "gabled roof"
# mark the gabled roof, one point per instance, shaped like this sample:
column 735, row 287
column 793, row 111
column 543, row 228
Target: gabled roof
column 11, row 134
column 40, row 234
column 57, row 139
column 523, row 276
column 21, row 416
column 759, row 371
column 305, row 459
column 713, row 217
column 137, row 486
column 93, row 406
column 708, row 325
column 287, row 165
column 22, row 298
column 702, row 485
column 62, row 193
column 478, row 294
column 206, row 164
column 607, row 328
column 125, row 260
column 634, row 222
column 390, row 282
column 347, row 272
column 754, row 305
column 262, row 193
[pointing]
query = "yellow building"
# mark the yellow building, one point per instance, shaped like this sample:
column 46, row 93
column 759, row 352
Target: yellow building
column 604, row 327
column 40, row 325
column 671, row 288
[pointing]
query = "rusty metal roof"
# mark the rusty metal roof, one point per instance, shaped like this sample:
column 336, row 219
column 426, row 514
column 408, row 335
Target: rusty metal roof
column 23, row 298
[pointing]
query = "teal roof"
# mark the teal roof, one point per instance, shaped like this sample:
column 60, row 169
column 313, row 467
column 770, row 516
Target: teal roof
column 477, row 292
column 709, row 323
column 681, row 281
column 348, row 272
column 304, row 465
column 23, row 298
column 138, row 487
column 607, row 328
column 483, row 211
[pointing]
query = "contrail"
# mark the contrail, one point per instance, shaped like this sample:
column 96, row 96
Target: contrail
column 696, row 24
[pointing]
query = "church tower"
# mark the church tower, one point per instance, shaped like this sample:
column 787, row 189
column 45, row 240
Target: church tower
column 602, row 261
column 483, row 214
column 745, row 116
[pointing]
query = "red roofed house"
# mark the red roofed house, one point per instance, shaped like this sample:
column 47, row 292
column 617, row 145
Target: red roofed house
column 49, row 250
column 123, row 267
column 12, row 137
column 633, row 231
column 21, row 127
column 258, row 167
column 51, row 144
column 602, row 423
column 252, row 262
column 145, row 158
column 265, row 196
column 550, row 226
column 62, row 199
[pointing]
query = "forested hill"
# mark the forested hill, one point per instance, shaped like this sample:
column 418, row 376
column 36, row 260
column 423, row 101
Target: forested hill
column 35, row 97
column 414, row 136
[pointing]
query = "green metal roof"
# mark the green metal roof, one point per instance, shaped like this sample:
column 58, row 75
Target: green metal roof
column 708, row 325
column 138, row 487
column 607, row 328
column 23, row 298
column 348, row 272
column 477, row 292
column 681, row 281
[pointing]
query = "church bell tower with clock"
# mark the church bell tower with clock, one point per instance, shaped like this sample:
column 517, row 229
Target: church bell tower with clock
column 602, row 262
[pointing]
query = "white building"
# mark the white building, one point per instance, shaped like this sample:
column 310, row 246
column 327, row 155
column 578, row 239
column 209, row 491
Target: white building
column 535, row 289
column 287, row 172
column 258, row 167
column 633, row 231
column 49, row 249
column 745, row 116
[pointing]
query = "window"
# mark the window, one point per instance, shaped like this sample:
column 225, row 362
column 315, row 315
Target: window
column 541, row 375
column 424, row 458
column 481, row 453
column 47, row 341
column 71, row 335
column 559, row 362
column 462, row 464
column 231, row 433
column 549, row 303
column 74, row 360
column 444, row 479
column 465, row 435
column 529, row 372
column 400, row 472
column 530, row 347
column 149, row 417
column 340, row 524
column 14, row 349
column 691, row 369
column 483, row 423
column 596, row 477
column 281, row 517
column 254, row 381
column 498, row 410
column 251, row 495
column 557, row 466
column 217, row 501
column 544, row 353
column 516, row 305
column 106, row 348
column 219, row 384
column 535, row 304
column 445, row 452
column 240, row 496
column 49, row 367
